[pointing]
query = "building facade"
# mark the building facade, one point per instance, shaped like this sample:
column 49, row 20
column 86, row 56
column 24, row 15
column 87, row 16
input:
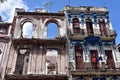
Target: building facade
column 92, row 48
column 82, row 49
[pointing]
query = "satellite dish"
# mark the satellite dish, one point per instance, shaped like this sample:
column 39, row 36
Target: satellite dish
column 48, row 4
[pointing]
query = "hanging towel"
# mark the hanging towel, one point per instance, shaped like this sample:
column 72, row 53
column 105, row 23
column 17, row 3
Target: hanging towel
column 93, row 60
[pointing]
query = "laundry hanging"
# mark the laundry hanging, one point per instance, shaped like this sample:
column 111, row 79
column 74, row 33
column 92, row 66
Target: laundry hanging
column 93, row 60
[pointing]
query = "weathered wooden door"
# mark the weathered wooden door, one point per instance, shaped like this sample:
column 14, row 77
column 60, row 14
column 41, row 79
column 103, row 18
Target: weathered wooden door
column 110, row 60
column 79, row 57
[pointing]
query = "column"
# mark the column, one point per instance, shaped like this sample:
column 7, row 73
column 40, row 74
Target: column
column 33, row 61
column 44, row 61
column 30, row 62
column 59, row 61
column 63, row 61
column 39, row 61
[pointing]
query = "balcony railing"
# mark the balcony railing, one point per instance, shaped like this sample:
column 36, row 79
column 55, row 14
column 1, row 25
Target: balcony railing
column 79, row 31
column 76, row 31
column 104, row 70
column 102, row 33
column 110, row 65
column 82, row 33
column 99, row 72
column 112, row 33
column 76, row 34
column 95, row 32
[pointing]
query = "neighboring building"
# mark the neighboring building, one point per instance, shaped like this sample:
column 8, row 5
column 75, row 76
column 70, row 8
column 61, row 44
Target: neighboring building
column 4, row 42
column 91, row 44
column 83, row 47
column 118, row 46
column 118, row 55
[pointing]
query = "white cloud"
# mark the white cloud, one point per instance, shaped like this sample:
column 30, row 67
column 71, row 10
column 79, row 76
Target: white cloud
column 7, row 9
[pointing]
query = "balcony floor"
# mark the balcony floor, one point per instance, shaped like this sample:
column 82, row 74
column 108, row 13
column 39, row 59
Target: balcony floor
column 35, row 77
column 90, row 72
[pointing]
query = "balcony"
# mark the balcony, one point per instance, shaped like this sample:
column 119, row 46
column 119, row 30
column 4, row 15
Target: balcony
column 91, row 72
column 96, row 69
column 77, row 34
column 111, row 34
column 81, row 34
column 35, row 77
column 25, row 41
column 108, row 35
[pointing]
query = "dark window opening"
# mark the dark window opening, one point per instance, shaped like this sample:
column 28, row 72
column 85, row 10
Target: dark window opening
column 89, row 26
column 94, row 59
column 119, row 49
column 79, row 57
column 102, row 26
column 109, row 59
column 22, row 62
column 76, row 27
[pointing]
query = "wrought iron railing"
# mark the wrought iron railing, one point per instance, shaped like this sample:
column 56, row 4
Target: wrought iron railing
column 96, row 66
column 79, row 31
column 95, row 32
column 99, row 69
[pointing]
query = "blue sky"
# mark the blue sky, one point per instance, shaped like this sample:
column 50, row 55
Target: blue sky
column 30, row 5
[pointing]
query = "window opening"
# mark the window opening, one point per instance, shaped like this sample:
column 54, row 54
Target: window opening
column 76, row 27
column 3, row 30
column 109, row 59
column 51, row 61
column 79, row 57
column 102, row 26
column 52, row 31
column 89, row 26
column 22, row 61
column 94, row 59
column 27, row 30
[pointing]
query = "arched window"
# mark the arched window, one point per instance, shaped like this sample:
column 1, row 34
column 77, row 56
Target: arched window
column 102, row 26
column 76, row 27
column 89, row 26
column 27, row 30
column 52, row 31
column 51, row 61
